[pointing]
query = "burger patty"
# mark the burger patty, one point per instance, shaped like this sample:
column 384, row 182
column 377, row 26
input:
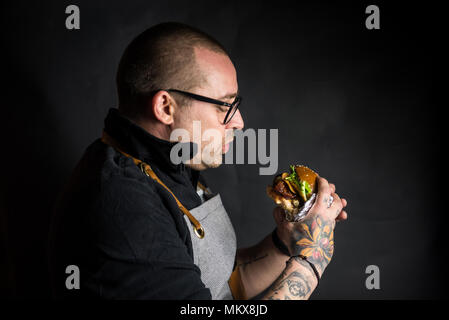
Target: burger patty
column 282, row 188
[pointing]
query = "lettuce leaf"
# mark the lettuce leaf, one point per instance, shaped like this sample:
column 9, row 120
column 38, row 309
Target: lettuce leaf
column 293, row 177
column 304, row 188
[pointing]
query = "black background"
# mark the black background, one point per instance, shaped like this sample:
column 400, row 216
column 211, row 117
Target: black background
column 354, row 104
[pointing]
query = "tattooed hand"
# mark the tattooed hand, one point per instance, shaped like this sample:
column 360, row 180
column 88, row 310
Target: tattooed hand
column 313, row 237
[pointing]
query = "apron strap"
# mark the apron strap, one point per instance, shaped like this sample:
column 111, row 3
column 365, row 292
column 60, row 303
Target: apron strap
column 146, row 168
column 236, row 285
column 203, row 187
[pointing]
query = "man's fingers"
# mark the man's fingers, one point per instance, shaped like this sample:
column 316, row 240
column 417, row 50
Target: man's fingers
column 332, row 188
column 323, row 185
column 324, row 191
column 278, row 215
column 336, row 206
column 342, row 216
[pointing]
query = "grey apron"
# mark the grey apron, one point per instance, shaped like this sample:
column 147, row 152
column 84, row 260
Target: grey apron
column 215, row 253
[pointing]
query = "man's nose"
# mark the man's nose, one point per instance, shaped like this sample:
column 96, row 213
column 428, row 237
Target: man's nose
column 236, row 121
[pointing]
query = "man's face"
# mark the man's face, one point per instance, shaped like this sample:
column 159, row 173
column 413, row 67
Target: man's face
column 221, row 84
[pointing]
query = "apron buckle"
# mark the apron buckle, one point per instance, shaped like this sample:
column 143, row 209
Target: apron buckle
column 199, row 231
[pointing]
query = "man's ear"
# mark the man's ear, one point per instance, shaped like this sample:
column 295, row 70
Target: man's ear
column 163, row 107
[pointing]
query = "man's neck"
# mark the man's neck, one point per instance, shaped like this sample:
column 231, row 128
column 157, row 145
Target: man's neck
column 156, row 129
column 151, row 126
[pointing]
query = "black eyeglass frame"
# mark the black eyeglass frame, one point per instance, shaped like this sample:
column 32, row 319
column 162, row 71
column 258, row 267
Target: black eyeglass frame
column 232, row 106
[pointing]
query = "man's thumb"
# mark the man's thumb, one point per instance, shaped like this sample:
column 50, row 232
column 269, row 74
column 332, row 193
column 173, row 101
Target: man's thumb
column 279, row 215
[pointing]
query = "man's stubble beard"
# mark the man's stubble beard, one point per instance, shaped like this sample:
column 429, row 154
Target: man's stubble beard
column 203, row 166
column 217, row 161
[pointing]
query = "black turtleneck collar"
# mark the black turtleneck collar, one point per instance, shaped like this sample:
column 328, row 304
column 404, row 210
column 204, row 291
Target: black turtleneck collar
column 140, row 144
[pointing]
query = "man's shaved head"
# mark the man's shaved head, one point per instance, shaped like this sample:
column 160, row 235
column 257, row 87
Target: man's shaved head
column 161, row 57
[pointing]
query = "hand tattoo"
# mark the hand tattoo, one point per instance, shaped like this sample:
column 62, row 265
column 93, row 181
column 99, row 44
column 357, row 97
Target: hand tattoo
column 315, row 241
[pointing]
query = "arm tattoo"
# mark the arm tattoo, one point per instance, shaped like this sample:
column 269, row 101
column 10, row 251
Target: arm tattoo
column 245, row 263
column 296, row 283
column 315, row 241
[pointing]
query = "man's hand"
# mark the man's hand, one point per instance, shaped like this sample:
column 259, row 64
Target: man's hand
column 313, row 237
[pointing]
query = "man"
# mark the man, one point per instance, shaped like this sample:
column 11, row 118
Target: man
column 138, row 225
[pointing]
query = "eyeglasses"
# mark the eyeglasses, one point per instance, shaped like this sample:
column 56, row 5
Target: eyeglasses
column 232, row 106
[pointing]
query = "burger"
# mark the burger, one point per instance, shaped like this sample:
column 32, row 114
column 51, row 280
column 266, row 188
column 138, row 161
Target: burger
column 293, row 191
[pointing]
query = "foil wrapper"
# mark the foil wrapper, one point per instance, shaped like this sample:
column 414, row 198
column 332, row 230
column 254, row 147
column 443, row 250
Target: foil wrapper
column 303, row 211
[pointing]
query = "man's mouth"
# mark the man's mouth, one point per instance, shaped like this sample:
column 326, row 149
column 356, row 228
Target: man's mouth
column 225, row 147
